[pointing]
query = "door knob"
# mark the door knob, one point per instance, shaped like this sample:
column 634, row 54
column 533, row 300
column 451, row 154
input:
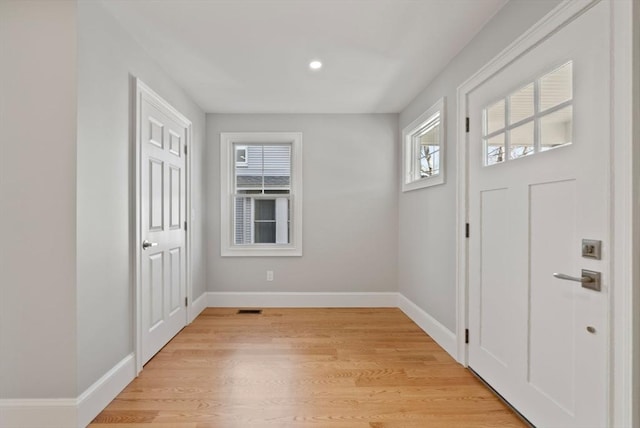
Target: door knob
column 146, row 244
column 589, row 279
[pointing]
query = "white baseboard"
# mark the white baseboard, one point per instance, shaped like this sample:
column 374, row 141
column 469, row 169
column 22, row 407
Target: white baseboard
column 68, row 412
column 99, row 395
column 41, row 413
column 439, row 333
column 197, row 306
column 302, row 300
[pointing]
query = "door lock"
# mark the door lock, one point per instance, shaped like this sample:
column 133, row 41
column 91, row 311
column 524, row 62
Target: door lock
column 592, row 249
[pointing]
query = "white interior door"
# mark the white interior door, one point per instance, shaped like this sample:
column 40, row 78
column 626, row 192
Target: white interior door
column 539, row 184
column 163, row 233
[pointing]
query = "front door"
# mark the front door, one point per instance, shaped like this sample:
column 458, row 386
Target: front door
column 539, row 175
column 162, row 208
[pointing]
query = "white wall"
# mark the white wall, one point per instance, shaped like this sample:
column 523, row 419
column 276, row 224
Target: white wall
column 350, row 213
column 427, row 217
column 37, row 199
column 107, row 57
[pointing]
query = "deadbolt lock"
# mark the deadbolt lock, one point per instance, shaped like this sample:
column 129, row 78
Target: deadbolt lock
column 592, row 249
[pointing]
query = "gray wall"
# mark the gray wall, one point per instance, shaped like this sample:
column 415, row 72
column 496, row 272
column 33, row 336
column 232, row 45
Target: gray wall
column 107, row 56
column 349, row 210
column 636, row 208
column 37, row 199
column 427, row 217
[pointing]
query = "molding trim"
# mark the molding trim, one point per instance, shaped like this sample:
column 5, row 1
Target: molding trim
column 99, row 395
column 41, row 413
column 625, row 236
column 302, row 300
column 68, row 412
column 438, row 332
column 197, row 306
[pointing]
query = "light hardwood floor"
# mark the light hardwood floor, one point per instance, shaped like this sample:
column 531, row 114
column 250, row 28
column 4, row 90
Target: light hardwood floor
column 318, row 368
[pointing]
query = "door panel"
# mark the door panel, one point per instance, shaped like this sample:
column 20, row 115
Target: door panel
column 548, row 190
column 175, row 197
column 494, row 282
column 552, row 309
column 175, row 276
column 155, row 284
column 163, row 208
column 156, row 194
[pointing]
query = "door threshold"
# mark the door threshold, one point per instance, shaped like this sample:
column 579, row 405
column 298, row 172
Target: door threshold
column 504, row 400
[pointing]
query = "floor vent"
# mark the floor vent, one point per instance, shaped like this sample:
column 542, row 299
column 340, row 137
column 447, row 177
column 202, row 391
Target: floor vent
column 249, row 311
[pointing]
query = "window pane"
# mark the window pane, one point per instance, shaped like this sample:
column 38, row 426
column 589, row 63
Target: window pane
column 242, row 220
column 521, row 141
column 277, row 166
column 429, row 150
column 495, row 116
column 521, row 104
column 494, row 150
column 556, row 128
column 249, row 175
column 241, row 156
column 271, row 225
column 265, row 233
column 556, row 87
column 265, row 209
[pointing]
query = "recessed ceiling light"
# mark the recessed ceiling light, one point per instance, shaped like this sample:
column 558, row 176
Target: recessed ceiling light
column 315, row 65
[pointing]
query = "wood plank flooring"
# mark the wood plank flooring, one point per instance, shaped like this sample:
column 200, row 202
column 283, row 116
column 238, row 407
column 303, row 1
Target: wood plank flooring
column 335, row 368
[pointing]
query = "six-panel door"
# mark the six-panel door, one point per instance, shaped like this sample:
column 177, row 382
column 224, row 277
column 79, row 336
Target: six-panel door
column 163, row 208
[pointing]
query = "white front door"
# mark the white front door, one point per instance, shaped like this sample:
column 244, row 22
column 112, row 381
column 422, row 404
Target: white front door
column 539, row 176
column 163, row 137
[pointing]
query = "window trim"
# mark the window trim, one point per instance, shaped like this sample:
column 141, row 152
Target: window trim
column 227, row 164
column 409, row 152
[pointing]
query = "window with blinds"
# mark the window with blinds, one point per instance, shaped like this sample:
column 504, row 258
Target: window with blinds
column 261, row 187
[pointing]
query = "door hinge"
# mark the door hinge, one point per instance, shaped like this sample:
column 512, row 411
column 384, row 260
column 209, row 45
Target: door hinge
column 466, row 335
column 466, row 230
column 467, row 125
column 185, row 149
column 186, row 301
column 185, row 225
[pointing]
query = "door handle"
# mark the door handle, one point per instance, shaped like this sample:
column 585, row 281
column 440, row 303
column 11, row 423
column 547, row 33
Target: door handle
column 572, row 278
column 146, row 244
column 589, row 279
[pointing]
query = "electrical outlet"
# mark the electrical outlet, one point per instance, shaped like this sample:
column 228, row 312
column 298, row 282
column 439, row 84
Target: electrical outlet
column 269, row 275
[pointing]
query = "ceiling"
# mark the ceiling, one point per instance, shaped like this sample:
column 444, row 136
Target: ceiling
column 252, row 56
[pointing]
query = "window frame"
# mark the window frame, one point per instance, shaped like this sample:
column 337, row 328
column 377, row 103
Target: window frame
column 227, row 182
column 410, row 150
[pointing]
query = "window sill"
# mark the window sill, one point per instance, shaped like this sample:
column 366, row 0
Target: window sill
column 422, row 183
column 262, row 251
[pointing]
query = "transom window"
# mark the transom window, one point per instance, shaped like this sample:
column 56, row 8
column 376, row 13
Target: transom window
column 535, row 118
column 423, row 148
column 261, row 193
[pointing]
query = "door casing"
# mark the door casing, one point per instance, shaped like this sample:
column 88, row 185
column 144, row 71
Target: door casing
column 625, row 238
column 137, row 89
